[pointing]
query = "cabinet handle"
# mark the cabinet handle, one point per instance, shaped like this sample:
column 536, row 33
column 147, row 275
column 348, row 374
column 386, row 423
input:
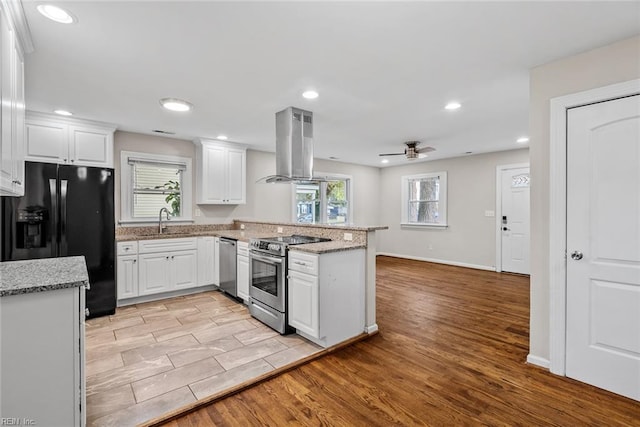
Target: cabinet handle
column 135, row 260
column 65, row 160
column 86, row 312
column 17, row 181
column 72, row 160
column 171, row 256
column 167, row 257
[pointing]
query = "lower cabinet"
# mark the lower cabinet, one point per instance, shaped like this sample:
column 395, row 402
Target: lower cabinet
column 208, row 247
column 127, row 276
column 167, row 271
column 242, row 271
column 326, row 295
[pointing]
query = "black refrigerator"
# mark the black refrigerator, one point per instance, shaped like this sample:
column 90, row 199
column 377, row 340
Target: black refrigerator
column 66, row 211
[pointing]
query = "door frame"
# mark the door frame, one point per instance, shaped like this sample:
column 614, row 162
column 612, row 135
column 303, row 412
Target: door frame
column 558, row 209
column 499, row 170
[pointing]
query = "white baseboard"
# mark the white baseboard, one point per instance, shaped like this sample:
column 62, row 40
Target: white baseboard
column 371, row 328
column 538, row 361
column 440, row 261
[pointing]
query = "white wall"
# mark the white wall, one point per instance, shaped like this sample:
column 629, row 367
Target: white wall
column 611, row 64
column 470, row 238
column 270, row 202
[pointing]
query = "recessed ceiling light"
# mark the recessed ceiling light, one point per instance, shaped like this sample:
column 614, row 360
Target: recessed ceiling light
column 522, row 140
column 222, row 137
column 310, row 94
column 175, row 104
column 56, row 13
column 453, row 105
column 384, row 161
column 63, row 112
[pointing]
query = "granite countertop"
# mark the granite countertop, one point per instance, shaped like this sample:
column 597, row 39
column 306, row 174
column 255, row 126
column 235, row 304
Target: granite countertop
column 329, row 226
column 324, row 247
column 241, row 235
column 40, row 275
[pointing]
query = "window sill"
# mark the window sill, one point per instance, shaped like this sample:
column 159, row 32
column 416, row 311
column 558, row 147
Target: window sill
column 155, row 221
column 418, row 225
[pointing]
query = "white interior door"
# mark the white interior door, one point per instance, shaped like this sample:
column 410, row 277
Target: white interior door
column 515, row 220
column 603, row 245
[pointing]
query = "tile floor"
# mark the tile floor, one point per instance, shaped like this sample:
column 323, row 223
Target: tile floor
column 149, row 359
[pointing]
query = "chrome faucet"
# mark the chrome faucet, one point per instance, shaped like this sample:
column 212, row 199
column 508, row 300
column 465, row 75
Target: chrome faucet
column 160, row 219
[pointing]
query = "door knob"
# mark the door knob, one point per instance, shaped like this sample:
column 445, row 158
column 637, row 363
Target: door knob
column 576, row 255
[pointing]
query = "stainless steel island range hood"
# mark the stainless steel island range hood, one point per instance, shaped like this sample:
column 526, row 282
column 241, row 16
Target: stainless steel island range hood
column 294, row 147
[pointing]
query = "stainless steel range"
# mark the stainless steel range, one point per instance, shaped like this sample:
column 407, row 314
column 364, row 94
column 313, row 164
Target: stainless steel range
column 268, row 279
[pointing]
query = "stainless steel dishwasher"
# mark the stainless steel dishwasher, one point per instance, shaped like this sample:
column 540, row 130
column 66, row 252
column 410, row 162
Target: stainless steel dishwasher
column 228, row 260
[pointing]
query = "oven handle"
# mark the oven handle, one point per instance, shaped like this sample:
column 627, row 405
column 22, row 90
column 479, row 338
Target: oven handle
column 270, row 260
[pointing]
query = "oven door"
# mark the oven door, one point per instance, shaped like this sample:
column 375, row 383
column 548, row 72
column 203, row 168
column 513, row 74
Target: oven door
column 267, row 280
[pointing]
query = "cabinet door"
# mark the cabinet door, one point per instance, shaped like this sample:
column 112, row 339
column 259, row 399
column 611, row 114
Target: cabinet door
column 154, row 273
column 303, row 303
column 242, row 277
column 6, row 80
column 90, row 147
column 213, row 175
column 206, row 260
column 236, row 176
column 127, row 276
column 18, row 124
column 184, row 269
column 47, row 142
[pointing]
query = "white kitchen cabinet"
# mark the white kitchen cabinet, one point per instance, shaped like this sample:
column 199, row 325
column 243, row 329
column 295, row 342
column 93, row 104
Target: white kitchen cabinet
column 242, row 271
column 12, row 110
column 208, row 260
column 42, row 356
column 127, row 276
column 166, row 265
column 68, row 141
column 326, row 295
column 127, row 269
column 221, row 173
column 167, row 271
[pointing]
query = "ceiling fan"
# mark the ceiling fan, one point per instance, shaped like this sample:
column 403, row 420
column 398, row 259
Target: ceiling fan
column 412, row 151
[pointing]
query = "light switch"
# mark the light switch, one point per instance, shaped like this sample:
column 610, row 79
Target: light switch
column 241, row 226
column 198, row 212
column 489, row 214
column 279, row 229
column 348, row 236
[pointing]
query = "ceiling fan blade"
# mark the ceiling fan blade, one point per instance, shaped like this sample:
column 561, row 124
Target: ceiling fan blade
column 392, row 154
column 425, row 149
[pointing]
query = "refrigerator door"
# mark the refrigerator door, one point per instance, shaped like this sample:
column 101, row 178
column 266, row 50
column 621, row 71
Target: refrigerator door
column 29, row 223
column 87, row 228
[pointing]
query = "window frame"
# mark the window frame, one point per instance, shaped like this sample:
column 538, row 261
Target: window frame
column 126, row 187
column 323, row 199
column 442, row 200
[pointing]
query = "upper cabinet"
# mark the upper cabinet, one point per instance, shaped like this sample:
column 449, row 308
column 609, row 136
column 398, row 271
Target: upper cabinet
column 12, row 111
column 51, row 139
column 221, row 173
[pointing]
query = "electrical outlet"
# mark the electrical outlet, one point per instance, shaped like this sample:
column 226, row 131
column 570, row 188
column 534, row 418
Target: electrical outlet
column 490, row 214
column 241, row 226
column 348, row 236
column 430, row 247
column 198, row 212
column 279, row 229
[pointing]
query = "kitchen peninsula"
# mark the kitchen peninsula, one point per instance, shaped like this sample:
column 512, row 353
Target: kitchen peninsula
column 343, row 237
column 42, row 311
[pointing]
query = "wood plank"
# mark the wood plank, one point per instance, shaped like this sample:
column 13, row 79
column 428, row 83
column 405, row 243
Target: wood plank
column 451, row 350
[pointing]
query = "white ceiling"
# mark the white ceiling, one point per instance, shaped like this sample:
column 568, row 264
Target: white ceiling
column 384, row 70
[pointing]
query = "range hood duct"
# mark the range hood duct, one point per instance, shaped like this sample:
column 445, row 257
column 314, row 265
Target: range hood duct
column 294, row 147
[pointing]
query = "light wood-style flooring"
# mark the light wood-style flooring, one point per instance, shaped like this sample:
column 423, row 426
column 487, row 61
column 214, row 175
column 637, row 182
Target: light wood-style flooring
column 451, row 351
column 150, row 359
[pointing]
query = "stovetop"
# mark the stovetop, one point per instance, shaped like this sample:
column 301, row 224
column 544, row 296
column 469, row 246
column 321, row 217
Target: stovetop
column 278, row 245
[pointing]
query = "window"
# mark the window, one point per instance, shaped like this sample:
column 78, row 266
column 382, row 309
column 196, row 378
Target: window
column 424, row 199
column 326, row 202
column 150, row 182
